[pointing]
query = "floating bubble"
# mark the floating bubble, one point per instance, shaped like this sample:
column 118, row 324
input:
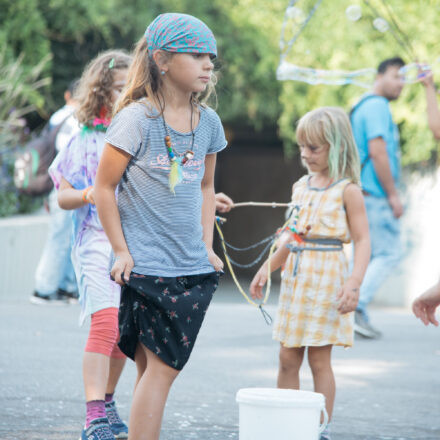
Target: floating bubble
column 363, row 78
column 381, row 24
column 295, row 13
column 412, row 73
column 353, row 12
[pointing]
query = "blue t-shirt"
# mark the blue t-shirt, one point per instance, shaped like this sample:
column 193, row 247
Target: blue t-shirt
column 163, row 231
column 370, row 120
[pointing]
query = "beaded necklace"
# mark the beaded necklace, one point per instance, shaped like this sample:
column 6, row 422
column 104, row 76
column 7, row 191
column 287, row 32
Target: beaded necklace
column 292, row 228
column 177, row 160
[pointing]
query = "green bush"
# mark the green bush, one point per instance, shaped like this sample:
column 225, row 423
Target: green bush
column 20, row 94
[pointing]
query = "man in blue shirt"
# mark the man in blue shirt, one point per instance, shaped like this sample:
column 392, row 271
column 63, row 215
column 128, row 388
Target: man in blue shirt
column 377, row 138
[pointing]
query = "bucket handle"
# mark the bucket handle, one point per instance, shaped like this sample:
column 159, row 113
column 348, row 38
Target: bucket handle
column 325, row 422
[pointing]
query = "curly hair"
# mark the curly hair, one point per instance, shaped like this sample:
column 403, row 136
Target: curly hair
column 94, row 91
column 144, row 80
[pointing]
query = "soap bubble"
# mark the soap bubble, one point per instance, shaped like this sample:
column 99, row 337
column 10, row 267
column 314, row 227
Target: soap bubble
column 381, row 24
column 363, row 78
column 295, row 13
column 412, row 73
column 353, row 12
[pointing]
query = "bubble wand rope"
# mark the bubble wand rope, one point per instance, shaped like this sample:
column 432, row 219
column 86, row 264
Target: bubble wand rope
column 260, row 305
column 286, row 48
column 394, row 32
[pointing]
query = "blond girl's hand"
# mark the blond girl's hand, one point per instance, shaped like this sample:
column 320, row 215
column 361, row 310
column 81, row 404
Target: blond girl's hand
column 122, row 267
column 348, row 296
column 258, row 282
column 88, row 195
column 215, row 260
column 91, row 196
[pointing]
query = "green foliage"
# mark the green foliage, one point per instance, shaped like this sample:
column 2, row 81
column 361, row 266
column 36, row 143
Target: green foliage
column 248, row 31
column 331, row 41
column 19, row 95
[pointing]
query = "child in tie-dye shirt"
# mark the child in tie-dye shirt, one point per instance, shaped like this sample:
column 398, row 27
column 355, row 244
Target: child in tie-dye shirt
column 73, row 173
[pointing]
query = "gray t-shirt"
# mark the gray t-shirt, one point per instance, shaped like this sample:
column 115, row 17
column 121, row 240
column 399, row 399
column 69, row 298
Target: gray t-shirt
column 163, row 231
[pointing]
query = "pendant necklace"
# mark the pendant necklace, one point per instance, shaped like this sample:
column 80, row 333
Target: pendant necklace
column 177, row 160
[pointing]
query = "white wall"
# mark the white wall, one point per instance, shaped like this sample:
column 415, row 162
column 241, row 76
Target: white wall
column 21, row 243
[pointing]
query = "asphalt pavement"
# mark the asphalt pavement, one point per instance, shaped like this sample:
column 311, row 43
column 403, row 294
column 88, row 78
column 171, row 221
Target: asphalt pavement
column 387, row 389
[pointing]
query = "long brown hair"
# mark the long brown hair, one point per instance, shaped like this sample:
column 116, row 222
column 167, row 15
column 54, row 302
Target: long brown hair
column 94, row 92
column 144, row 80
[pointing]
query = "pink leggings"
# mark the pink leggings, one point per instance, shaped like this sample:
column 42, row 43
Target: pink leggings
column 104, row 334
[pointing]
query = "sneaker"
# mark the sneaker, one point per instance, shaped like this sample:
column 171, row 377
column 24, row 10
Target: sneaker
column 118, row 427
column 325, row 435
column 363, row 327
column 53, row 299
column 99, row 429
column 70, row 297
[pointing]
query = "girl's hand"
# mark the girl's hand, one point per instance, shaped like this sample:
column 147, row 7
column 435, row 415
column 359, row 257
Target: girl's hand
column 223, row 203
column 122, row 267
column 90, row 196
column 215, row 260
column 258, row 283
column 348, row 296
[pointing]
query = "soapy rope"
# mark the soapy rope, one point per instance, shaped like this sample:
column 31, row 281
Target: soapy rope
column 272, row 242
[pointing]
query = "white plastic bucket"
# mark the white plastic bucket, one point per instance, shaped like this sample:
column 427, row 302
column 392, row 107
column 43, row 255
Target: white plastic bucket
column 279, row 414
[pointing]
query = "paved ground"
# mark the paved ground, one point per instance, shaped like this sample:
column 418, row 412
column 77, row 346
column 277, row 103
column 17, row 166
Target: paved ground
column 387, row 389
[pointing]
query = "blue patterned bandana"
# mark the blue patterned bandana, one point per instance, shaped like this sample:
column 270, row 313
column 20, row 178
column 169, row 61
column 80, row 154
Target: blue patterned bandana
column 180, row 33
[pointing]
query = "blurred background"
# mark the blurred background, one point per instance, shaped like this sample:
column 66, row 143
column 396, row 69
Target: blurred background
column 45, row 44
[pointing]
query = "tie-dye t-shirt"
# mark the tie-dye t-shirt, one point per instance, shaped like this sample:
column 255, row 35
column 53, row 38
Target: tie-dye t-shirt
column 78, row 164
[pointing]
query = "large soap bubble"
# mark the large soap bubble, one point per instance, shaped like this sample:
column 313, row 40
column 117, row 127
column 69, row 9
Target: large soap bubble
column 353, row 12
column 295, row 13
column 363, row 78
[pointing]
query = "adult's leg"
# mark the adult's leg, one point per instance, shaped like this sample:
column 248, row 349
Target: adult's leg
column 149, row 398
column 385, row 248
column 50, row 269
column 323, row 377
column 290, row 364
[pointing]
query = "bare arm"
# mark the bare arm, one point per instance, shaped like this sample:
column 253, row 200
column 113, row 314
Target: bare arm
column 276, row 261
column 432, row 107
column 111, row 167
column 208, row 209
column 71, row 198
column 377, row 149
column 358, row 226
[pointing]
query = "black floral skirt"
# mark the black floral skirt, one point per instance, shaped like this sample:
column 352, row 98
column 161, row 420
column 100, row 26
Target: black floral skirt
column 164, row 314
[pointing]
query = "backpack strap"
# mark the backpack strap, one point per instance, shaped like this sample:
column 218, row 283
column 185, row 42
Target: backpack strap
column 353, row 109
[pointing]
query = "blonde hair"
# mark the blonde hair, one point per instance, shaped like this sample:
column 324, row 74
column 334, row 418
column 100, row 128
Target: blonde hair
column 330, row 126
column 94, row 91
column 144, row 80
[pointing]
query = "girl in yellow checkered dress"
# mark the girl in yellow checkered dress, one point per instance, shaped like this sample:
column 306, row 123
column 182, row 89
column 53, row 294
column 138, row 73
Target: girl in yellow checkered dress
column 318, row 295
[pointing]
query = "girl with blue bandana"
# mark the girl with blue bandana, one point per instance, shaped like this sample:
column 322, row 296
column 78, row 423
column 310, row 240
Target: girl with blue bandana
column 161, row 154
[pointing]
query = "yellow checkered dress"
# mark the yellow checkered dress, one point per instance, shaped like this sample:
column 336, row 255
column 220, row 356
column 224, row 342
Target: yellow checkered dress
column 307, row 309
